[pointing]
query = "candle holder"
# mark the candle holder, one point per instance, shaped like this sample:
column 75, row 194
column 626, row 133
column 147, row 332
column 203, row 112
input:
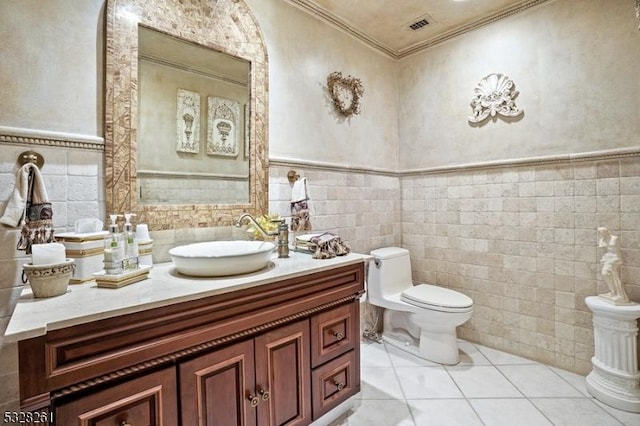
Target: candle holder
column 48, row 280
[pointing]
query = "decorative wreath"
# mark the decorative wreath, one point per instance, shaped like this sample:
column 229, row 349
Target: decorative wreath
column 343, row 89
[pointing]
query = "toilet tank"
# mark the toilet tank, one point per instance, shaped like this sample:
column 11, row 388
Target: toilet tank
column 389, row 273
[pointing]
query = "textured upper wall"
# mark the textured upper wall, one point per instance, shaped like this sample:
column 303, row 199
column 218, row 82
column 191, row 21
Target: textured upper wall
column 51, row 65
column 303, row 51
column 574, row 63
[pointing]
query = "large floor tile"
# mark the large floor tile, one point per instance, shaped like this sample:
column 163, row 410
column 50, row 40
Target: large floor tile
column 574, row 411
column 427, row 382
column 577, row 381
column 502, row 358
column 483, row 382
column 374, row 355
column 502, row 412
column 538, row 381
column 379, row 383
column 449, row 412
column 400, row 358
column 625, row 417
column 380, row 413
column 470, row 355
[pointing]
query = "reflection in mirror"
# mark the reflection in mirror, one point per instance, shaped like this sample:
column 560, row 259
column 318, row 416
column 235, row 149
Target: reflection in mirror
column 175, row 154
column 191, row 138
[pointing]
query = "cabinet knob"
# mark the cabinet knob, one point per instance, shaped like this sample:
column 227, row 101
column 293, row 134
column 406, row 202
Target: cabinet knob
column 254, row 401
column 338, row 335
column 265, row 394
column 125, row 423
column 339, row 385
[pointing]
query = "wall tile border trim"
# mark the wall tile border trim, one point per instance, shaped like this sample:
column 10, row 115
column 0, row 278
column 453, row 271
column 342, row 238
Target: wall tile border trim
column 21, row 136
column 608, row 154
column 335, row 167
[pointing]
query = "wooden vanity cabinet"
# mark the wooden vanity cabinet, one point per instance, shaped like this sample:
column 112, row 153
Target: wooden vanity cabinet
column 264, row 381
column 283, row 353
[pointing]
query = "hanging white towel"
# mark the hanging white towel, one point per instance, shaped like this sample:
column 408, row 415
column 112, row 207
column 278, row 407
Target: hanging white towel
column 300, row 220
column 299, row 192
column 18, row 200
column 37, row 222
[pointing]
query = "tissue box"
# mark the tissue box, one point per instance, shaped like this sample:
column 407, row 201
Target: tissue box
column 88, row 252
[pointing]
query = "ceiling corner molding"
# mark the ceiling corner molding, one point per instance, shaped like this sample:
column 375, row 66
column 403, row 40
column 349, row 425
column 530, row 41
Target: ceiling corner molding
column 326, row 16
column 23, row 136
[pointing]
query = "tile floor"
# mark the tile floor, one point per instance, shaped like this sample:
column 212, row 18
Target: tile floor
column 488, row 388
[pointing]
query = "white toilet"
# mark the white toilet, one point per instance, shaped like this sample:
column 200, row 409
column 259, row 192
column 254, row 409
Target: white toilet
column 419, row 319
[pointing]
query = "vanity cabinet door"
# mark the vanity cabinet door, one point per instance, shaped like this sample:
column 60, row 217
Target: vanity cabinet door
column 283, row 374
column 218, row 388
column 146, row 400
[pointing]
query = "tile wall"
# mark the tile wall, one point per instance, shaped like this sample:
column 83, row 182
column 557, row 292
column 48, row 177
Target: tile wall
column 521, row 241
column 363, row 208
column 75, row 190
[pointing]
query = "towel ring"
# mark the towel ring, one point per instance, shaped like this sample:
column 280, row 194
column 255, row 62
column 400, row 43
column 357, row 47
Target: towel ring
column 31, row 157
column 293, row 176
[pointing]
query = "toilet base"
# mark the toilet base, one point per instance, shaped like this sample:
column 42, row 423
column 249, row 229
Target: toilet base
column 435, row 347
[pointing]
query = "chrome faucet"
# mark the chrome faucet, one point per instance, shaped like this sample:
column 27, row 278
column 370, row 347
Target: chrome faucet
column 282, row 233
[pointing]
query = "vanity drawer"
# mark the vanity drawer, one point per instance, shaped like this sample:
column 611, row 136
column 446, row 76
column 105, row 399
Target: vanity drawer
column 334, row 332
column 334, row 382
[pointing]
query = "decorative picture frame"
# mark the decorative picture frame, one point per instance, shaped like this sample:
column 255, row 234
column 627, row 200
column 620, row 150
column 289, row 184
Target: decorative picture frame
column 222, row 131
column 345, row 93
column 188, row 122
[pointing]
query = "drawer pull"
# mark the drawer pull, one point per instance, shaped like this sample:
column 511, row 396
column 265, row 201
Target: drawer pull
column 339, row 385
column 265, row 394
column 254, row 401
column 338, row 335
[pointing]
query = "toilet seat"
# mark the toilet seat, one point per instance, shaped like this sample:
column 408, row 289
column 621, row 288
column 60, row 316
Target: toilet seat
column 437, row 298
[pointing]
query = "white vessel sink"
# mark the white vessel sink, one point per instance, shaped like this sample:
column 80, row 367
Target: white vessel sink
column 221, row 258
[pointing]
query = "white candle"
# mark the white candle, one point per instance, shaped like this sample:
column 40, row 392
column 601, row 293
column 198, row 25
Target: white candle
column 47, row 254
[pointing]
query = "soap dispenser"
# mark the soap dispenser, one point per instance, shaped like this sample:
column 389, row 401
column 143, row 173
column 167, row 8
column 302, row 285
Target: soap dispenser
column 113, row 247
column 131, row 245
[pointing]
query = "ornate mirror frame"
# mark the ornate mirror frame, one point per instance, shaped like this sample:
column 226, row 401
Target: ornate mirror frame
column 227, row 26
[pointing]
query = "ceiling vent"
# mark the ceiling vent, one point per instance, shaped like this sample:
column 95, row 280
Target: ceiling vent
column 419, row 24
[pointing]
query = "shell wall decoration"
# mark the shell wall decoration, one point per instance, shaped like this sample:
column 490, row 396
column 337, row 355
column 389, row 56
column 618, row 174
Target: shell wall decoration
column 494, row 95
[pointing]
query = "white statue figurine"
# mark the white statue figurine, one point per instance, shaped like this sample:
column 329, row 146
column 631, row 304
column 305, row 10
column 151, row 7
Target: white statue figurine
column 611, row 263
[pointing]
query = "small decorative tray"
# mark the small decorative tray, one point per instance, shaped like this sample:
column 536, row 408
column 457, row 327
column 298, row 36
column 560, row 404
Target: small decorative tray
column 116, row 281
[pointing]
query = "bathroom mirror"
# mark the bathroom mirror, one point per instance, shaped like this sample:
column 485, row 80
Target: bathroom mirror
column 185, row 112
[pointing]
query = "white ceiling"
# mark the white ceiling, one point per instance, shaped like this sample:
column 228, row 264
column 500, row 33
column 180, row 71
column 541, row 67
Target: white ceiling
column 384, row 24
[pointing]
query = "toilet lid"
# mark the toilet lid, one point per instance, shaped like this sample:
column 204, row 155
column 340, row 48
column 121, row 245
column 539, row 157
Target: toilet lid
column 425, row 294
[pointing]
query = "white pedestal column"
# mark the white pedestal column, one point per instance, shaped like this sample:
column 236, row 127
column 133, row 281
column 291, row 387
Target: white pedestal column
column 615, row 379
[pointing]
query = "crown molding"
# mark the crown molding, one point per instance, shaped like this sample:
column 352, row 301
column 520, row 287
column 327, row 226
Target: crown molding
column 327, row 16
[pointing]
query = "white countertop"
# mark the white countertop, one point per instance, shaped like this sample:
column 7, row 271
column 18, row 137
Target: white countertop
column 83, row 303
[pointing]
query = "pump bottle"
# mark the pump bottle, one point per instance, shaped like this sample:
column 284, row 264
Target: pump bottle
column 113, row 244
column 131, row 245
